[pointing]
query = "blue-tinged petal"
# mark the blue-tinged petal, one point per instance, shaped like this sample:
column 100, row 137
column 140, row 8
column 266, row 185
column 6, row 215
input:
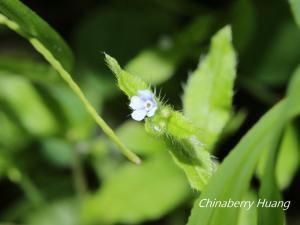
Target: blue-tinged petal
column 146, row 94
column 139, row 115
column 152, row 111
column 136, row 103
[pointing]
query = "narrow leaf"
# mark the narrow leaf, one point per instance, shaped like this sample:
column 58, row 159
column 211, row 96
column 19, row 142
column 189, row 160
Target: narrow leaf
column 33, row 114
column 287, row 163
column 295, row 5
column 48, row 43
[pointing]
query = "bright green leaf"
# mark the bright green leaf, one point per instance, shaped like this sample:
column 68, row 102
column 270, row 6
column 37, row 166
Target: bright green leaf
column 288, row 159
column 268, row 188
column 12, row 137
column 32, row 113
column 135, row 194
column 32, row 69
column 295, row 5
column 57, row 151
column 135, row 137
column 207, row 100
column 248, row 217
column 63, row 212
column 151, row 66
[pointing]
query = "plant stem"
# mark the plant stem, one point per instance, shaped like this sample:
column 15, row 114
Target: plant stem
column 91, row 110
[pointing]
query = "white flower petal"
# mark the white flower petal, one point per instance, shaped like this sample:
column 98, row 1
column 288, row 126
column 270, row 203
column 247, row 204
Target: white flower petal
column 152, row 112
column 139, row 115
column 145, row 95
column 136, row 103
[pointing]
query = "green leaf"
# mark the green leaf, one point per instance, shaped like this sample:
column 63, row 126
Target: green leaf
column 135, row 194
column 33, row 114
column 128, row 83
column 235, row 122
column 287, row 163
column 268, row 189
column 207, row 99
column 295, row 6
column 248, row 217
column 27, row 23
column 48, row 43
column 57, row 151
column 78, row 123
column 12, row 137
column 151, row 66
column 135, row 137
column 233, row 176
column 63, row 212
column 31, row 69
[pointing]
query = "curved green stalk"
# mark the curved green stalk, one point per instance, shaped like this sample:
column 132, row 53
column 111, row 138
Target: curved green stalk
column 73, row 85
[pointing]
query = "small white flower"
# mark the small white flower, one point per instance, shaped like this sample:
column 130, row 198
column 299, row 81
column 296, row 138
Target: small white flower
column 143, row 105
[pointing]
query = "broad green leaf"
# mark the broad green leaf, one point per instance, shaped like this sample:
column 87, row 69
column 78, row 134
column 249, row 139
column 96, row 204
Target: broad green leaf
column 28, row 24
column 32, row 113
column 57, row 151
column 233, row 176
column 287, row 163
column 151, row 66
column 207, row 99
column 295, row 6
column 136, row 194
column 31, row 69
column 63, row 212
column 12, row 137
column 135, row 137
column 48, row 43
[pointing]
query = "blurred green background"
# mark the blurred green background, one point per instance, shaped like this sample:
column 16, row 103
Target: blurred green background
column 56, row 166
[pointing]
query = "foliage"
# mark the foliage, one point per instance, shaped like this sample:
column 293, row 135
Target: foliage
column 233, row 134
